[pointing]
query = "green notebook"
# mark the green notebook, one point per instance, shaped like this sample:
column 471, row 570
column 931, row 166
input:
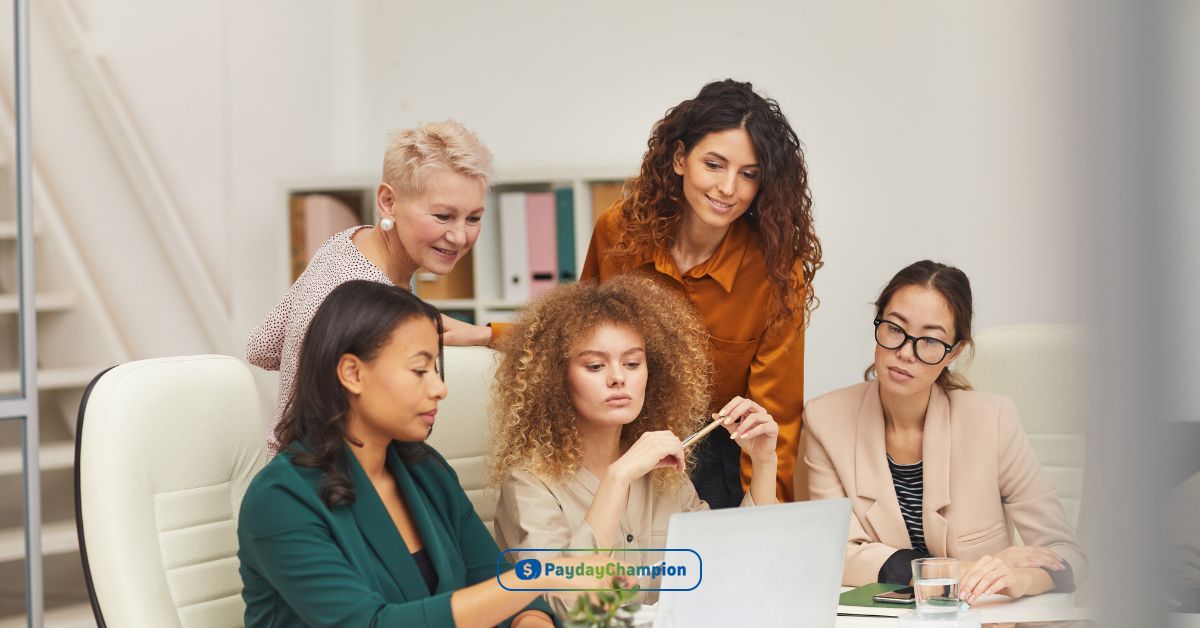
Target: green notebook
column 862, row 596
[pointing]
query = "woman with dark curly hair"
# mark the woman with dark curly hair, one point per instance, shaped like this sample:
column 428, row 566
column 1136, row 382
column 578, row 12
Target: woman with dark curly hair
column 721, row 212
column 357, row 521
column 596, row 385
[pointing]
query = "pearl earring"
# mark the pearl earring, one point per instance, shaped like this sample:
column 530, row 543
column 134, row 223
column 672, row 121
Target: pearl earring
column 387, row 224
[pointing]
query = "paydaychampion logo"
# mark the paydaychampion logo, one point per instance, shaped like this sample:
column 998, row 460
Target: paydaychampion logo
column 679, row 569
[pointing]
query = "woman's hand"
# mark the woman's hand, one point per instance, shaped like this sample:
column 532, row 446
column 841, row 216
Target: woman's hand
column 532, row 619
column 754, row 429
column 651, row 451
column 1019, row 556
column 456, row 333
column 990, row 575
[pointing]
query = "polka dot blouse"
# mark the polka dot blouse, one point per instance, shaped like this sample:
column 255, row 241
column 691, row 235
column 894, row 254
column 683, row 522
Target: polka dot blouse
column 275, row 344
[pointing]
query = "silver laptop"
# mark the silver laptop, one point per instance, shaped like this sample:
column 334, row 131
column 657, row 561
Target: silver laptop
column 775, row 565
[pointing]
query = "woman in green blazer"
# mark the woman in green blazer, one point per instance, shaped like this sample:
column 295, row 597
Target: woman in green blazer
column 358, row 522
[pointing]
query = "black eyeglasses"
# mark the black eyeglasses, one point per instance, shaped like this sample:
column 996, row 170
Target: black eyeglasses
column 929, row 350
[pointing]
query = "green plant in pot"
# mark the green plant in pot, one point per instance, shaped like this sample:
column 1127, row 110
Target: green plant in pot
column 611, row 608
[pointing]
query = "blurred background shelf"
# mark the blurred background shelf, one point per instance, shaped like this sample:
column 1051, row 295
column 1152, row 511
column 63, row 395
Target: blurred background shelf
column 544, row 216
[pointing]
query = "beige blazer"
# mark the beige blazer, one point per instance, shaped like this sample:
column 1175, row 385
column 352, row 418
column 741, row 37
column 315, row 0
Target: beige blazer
column 979, row 473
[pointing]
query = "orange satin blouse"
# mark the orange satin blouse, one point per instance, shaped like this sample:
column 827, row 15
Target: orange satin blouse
column 733, row 296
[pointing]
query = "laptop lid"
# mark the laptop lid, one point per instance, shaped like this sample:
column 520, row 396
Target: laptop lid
column 778, row 565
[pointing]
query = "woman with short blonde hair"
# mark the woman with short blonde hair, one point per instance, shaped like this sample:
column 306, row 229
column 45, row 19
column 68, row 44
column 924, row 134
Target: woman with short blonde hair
column 430, row 207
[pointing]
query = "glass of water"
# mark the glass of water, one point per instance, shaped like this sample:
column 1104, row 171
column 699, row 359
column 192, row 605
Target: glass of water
column 935, row 584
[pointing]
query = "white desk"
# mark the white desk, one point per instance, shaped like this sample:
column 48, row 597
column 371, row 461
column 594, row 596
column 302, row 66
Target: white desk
column 995, row 609
column 1045, row 607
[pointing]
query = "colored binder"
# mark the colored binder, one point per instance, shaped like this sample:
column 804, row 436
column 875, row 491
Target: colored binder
column 459, row 284
column 605, row 195
column 564, row 210
column 541, row 239
column 514, row 253
column 313, row 218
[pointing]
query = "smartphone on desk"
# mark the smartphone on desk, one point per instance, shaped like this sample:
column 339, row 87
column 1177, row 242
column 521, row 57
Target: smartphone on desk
column 899, row 596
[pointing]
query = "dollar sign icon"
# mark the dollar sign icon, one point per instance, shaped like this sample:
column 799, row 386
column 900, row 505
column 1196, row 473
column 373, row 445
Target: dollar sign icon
column 529, row 569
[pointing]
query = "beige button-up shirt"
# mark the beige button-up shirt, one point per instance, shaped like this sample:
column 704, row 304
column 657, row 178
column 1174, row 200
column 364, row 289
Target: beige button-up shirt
column 534, row 513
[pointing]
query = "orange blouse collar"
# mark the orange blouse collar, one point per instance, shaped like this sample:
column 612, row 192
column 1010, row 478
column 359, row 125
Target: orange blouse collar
column 722, row 266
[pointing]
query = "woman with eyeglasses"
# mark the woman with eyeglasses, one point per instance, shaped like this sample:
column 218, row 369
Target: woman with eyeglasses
column 931, row 467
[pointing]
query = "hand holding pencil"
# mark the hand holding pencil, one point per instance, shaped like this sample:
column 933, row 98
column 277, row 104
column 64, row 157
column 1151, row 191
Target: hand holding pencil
column 754, row 429
column 695, row 438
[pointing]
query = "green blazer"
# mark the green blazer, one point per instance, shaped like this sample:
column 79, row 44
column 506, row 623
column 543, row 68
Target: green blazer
column 303, row 563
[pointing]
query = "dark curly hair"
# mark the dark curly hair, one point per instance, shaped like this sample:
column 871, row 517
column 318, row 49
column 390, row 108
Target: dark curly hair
column 781, row 212
column 358, row 317
column 535, row 420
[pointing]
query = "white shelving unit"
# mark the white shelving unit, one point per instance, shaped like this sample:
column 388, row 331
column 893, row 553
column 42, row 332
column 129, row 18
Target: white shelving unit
column 488, row 303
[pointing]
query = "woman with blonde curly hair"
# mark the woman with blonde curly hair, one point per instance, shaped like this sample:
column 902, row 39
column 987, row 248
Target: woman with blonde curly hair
column 596, row 385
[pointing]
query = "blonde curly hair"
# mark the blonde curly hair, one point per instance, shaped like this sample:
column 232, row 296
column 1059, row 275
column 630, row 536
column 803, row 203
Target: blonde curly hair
column 531, row 406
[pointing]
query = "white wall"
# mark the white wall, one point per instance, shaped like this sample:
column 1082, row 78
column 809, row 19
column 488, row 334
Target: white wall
column 99, row 206
column 224, row 105
column 933, row 129
column 229, row 101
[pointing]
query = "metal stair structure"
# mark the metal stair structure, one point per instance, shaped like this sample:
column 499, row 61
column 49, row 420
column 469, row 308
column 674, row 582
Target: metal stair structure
column 76, row 333
column 76, row 340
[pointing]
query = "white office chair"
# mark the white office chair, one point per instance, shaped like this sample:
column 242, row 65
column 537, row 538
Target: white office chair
column 462, row 433
column 1040, row 368
column 164, row 451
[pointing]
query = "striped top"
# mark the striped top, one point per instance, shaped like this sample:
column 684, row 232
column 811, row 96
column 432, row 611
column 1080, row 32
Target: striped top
column 910, row 487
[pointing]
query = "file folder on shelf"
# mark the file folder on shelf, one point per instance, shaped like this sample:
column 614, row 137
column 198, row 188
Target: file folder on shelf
column 514, row 254
column 564, row 223
column 542, row 242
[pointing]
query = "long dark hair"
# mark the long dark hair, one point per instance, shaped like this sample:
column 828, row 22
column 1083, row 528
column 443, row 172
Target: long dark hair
column 358, row 317
column 955, row 288
column 781, row 212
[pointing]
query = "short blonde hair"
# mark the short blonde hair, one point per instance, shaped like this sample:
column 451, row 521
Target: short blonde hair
column 448, row 144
